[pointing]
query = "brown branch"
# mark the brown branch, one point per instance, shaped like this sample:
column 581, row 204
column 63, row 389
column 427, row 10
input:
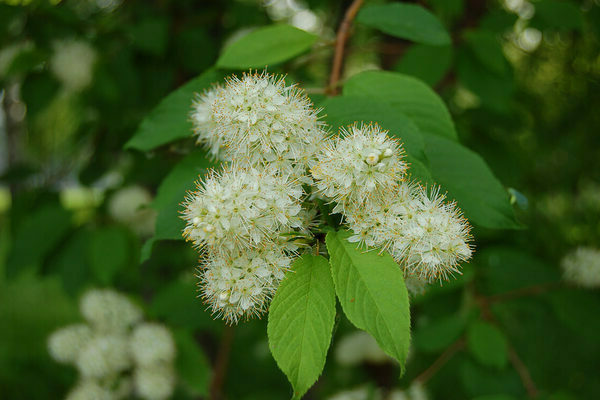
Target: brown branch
column 221, row 363
column 526, row 291
column 515, row 361
column 441, row 360
column 523, row 372
column 340, row 43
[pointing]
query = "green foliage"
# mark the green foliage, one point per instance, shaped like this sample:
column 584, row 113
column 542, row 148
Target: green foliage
column 192, row 366
column 371, row 290
column 266, row 47
column 438, row 334
column 108, row 253
column 428, row 63
column 406, row 95
column 169, row 120
column 487, row 344
column 470, row 182
column 301, row 318
column 406, row 21
column 36, row 236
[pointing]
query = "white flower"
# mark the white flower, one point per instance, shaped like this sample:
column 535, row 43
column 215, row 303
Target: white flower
column 239, row 208
column 433, row 238
column 363, row 163
column 109, row 311
column 240, row 284
column 374, row 221
column 582, row 267
column 359, row 393
column 131, row 206
column 258, row 119
column 415, row 284
column 415, row 391
column 104, row 355
column 90, row 390
column 358, row 347
column 154, row 383
column 65, row 344
column 72, row 63
column 152, row 343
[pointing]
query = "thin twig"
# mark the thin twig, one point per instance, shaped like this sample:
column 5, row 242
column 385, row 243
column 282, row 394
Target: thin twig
column 526, row 291
column 523, row 372
column 514, row 358
column 340, row 44
column 441, row 360
column 221, row 363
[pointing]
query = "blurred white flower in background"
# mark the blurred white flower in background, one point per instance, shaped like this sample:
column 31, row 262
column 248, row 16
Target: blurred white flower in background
column 72, row 63
column 582, row 267
column 131, row 206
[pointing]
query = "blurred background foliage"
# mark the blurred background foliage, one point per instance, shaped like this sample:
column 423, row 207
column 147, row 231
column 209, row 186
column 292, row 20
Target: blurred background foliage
column 521, row 79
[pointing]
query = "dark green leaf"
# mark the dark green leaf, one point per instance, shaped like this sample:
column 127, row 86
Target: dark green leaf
column 487, row 344
column 342, row 111
column 406, row 21
column 468, row 180
column 439, row 333
column 36, row 236
column 301, row 319
column 562, row 15
column 108, row 253
column 487, row 48
column 371, row 290
column 192, row 365
column 169, row 120
column 428, row 63
column 407, row 95
column 265, row 47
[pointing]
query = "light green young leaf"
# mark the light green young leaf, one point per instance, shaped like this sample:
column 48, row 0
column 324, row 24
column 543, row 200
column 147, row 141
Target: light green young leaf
column 371, row 290
column 265, row 47
column 301, row 320
column 468, row 180
column 169, row 121
column 342, row 111
column 406, row 21
column 407, row 95
column 487, row 344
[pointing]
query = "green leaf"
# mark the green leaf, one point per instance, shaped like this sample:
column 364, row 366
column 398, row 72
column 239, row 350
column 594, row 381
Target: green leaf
column 169, row 120
column 171, row 193
column 406, row 21
column 301, row 320
column 487, row 344
column 265, row 47
column 151, row 35
column 577, row 309
column 557, row 14
column 108, row 252
column 495, row 397
column 468, row 180
column 488, row 50
column 192, row 365
column 38, row 234
column 179, row 305
column 342, row 111
column 505, row 269
column 71, row 262
column 428, row 63
column 407, row 95
column 439, row 333
column 371, row 290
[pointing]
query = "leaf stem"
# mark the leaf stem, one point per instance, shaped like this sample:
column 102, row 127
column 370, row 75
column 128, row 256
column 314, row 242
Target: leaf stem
column 441, row 360
column 221, row 363
column 340, row 43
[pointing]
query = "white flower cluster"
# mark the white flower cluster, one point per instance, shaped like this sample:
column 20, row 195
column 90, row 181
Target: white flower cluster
column 364, row 174
column 415, row 391
column 358, row 347
column 257, row 120
column 248, row 218
column 582, row 267
column 116, row 353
